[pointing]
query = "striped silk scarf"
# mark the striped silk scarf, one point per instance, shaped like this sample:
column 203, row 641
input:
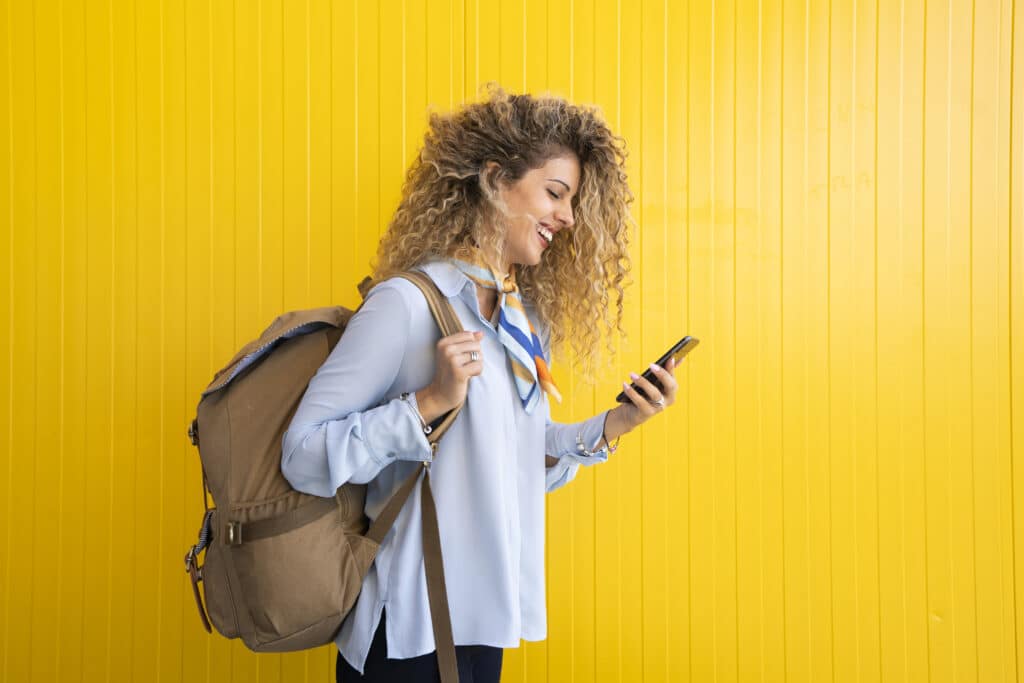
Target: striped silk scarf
column 516, row 333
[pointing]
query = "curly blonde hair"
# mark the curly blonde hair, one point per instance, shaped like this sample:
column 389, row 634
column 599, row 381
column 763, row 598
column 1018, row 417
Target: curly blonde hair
column 450, row 205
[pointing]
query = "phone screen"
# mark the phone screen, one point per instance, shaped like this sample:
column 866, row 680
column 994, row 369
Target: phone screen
column 678, row 351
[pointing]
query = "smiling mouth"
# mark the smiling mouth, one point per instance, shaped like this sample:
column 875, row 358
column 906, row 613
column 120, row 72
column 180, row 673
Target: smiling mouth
column 545, row 235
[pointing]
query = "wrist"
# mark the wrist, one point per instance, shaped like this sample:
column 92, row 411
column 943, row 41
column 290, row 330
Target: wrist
column 429, row 407
column 616, row 424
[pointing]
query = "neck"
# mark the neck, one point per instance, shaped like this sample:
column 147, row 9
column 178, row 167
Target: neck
column 501, row 268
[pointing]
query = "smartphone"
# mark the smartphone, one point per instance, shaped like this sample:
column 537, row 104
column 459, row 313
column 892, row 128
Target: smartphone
column 678, row 352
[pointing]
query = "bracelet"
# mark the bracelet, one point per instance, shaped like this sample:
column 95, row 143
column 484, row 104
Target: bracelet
column 611, row 448
column 581, row 448
column 426, row 428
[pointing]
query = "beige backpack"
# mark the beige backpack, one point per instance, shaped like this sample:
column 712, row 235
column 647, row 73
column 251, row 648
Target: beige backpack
column 283, row 568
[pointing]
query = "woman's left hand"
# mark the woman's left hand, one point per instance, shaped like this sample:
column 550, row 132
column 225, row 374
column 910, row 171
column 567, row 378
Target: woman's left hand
column 642, row 409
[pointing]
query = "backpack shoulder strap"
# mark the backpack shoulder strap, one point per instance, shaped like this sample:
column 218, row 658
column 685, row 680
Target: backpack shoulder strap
column 442, row 311
column 449, row 324
column 433, row 565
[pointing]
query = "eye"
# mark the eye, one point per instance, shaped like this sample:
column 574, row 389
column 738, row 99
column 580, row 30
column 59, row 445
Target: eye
column 553, row 195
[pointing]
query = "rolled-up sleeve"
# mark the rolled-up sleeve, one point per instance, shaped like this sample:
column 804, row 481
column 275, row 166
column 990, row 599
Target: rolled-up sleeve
column 562, row 441
column 343, row 430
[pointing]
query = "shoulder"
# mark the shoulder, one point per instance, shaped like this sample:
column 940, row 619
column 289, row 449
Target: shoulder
column 395, row 288
column 401, row 298
column 445, row 276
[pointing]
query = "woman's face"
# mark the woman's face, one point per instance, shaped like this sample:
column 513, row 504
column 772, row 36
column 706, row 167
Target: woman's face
column 540, row 206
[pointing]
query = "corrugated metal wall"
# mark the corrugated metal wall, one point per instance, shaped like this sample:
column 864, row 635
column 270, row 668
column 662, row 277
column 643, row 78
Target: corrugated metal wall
column 829, row 196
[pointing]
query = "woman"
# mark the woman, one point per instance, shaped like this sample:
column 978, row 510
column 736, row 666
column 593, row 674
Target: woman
column 517, row 208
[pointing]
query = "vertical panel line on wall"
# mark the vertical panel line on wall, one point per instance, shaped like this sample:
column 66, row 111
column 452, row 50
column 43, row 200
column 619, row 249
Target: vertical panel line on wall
column 760, row 250
column 572, row 50
column 782, row 326
column 355, row 114
column 712, row 175
column 330, row 134
column 523, row 39
column 35, row 245
column 162, row 346
column 900, row 293
column 259, row 156
column 1010, row 196
column 970, row 318
column 664, row 274
column 113, row 327
column 210, row 238
column 10, row 334
column 309, row 171
column 924, row 312
column 62, row 362
column 135, row 285
column 828, row 348
column 875, row 295
column 735, row 352
column 282, row 208
column 804, row 207
column 234, row 177
column 405, row 90
column 618, row 115
column 689, row 421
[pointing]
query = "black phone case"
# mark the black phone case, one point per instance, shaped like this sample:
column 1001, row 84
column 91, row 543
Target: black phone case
column 648, row 374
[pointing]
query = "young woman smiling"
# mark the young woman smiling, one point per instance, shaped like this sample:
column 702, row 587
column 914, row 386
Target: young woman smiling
column 517, row 208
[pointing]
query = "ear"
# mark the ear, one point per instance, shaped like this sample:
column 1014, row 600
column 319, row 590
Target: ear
column 491, row 175
column 492, row 171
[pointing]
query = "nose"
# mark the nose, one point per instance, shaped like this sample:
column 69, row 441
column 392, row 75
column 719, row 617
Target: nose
column 564, row 216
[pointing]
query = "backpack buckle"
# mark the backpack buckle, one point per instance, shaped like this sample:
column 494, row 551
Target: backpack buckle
column 195, row 572
column 190, row 559
column 193, row 432
column 233, row 535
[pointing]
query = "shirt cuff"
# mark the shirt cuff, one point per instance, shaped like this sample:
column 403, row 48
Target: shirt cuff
column 560, row 474
column 585, row 437
column 417, row 416
column 397, row 433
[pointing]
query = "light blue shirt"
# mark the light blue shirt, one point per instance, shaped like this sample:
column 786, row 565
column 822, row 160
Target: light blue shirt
column 488, row 480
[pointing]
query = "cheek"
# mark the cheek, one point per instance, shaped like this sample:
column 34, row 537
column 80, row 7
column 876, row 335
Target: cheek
column 526, row 231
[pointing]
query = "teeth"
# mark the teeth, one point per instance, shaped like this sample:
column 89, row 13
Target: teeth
column 546, row 234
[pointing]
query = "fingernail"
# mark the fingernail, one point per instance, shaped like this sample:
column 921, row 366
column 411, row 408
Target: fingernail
column 634, row 375
column 654, row 366
column 625, row 385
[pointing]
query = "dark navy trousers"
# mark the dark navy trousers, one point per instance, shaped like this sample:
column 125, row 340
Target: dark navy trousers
column 477, row 664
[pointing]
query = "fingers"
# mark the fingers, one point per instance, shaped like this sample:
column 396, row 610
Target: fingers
column 654, row 394
column 667, row 378
column 459, row 338
column 646, row 408
column 458, row 352
column 654, row 398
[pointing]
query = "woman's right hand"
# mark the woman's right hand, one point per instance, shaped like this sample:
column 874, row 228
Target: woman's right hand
column 451, row 379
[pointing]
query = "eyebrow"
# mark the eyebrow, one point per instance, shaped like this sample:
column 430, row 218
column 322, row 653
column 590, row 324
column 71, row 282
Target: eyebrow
column 563, row 182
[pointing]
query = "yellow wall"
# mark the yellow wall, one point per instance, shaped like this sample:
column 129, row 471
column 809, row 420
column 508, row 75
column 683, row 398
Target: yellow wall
column 829, row 196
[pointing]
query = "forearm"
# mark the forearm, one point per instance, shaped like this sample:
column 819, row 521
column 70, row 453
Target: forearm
column 615, row 425
column 429, row 406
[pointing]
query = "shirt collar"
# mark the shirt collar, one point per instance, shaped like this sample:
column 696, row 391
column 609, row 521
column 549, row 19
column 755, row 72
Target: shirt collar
column 454, row 283
column 449, row 279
